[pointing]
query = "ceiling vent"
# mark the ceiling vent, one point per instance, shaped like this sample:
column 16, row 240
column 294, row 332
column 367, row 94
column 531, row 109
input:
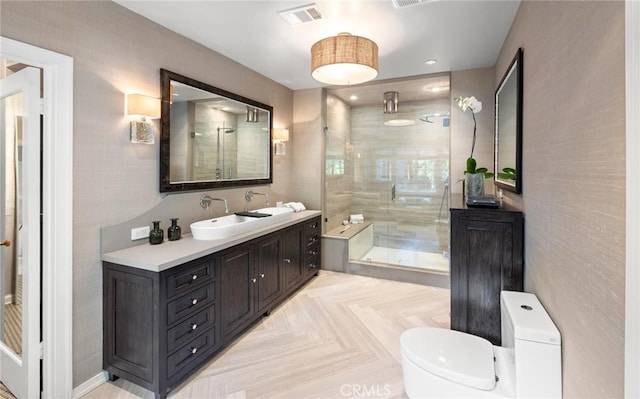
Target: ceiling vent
column 409, row 3
column 301, row 15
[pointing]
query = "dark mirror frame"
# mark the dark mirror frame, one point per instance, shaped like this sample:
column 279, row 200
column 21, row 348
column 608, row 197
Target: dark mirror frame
column 514, row 71
column 165, row 137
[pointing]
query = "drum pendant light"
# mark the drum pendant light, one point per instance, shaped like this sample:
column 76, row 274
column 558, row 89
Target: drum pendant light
column 344, row 59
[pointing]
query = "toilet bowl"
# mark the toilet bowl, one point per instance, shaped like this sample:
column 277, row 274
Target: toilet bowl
column 440, row 363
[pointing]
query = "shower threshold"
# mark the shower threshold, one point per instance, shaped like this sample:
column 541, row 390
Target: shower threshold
column 427, row 261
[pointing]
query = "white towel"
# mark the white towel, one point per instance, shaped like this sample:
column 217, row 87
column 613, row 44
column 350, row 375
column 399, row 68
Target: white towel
column 356, row 218
column 296, row 206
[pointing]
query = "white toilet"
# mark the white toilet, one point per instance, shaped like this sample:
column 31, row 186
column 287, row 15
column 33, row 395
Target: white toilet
column 439, row 363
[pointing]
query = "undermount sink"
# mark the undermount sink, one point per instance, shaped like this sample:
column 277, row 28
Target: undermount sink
column 231, row 225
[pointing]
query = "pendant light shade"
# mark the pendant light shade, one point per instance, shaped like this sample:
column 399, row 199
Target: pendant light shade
column 252, row 114
column 344, row 60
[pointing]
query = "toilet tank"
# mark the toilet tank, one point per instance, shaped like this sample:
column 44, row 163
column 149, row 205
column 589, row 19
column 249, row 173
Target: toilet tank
column 528, row 330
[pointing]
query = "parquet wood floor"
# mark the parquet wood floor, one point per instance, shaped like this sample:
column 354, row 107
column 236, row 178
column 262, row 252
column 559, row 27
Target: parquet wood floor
column 339, row 337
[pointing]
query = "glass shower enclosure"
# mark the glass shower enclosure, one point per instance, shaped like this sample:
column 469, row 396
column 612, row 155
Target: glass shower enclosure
column 393, row 169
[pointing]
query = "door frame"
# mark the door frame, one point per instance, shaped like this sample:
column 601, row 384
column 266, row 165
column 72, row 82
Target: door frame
column 57, row 203
column 632, row 291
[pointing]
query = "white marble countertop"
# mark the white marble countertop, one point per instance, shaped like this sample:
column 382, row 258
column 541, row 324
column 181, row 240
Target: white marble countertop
column 157, row 258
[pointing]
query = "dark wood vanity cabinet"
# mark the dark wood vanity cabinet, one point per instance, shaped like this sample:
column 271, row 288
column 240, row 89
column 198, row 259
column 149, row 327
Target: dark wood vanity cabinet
column 486, row 258
column 160, row 327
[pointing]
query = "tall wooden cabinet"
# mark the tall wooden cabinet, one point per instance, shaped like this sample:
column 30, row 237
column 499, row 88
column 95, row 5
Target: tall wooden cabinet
column 486, row 258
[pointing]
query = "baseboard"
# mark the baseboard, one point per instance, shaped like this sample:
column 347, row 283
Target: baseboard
column 89, row 385
column 8, row 299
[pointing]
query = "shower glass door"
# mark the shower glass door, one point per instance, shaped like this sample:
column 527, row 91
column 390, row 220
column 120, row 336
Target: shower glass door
column 396, row 177
column 402, row 187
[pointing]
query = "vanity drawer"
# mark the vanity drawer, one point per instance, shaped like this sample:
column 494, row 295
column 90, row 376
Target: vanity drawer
column 189, row 275
column 312, row 264
column 189, row 328
column 312, row 240
column 197, row 299
column 312, row 226
column 312, row 250
column 190, row 352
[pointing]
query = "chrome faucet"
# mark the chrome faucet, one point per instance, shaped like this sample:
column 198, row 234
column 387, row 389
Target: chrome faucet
column 249, row 195
column 205, row 201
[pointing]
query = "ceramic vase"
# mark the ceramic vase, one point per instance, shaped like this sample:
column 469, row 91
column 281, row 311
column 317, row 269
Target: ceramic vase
column 174, row 232
column 474, row 184
column 156, row 235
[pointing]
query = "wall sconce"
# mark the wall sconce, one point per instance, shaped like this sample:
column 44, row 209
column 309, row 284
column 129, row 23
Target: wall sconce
column 280, row 135
column 252, row 114
column 144, row 108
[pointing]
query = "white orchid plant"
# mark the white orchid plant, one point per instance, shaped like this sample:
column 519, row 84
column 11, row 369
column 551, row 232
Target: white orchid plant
column 472, row 103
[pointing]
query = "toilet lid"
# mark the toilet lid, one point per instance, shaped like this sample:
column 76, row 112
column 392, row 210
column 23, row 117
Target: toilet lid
column 454, row 355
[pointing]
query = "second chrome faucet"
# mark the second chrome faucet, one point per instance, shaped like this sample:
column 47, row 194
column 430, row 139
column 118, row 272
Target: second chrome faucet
column 249, row 195
column 206, row 200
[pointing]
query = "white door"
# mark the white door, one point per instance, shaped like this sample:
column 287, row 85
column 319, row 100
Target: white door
column 20, row 126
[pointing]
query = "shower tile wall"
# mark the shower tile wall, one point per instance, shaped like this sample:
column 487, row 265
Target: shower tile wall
column 415, row 158
column 338, row 163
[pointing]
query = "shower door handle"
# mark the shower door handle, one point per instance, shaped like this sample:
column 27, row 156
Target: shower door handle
column 393, row 193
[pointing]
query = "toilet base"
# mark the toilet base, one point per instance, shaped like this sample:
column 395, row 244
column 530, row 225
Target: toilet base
column 419, row 383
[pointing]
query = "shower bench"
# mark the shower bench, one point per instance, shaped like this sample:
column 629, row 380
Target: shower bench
column 344, row 250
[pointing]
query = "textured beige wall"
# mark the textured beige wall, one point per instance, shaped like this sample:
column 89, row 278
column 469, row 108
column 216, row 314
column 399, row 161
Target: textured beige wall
column 478, row 83
column 574, row 181
column 116, row 51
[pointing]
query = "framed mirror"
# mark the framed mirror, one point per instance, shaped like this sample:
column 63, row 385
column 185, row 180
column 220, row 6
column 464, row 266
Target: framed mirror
column 211, row 138
column 508, row 128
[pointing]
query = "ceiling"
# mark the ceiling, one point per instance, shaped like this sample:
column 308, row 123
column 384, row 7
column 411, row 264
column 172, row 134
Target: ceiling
column 458, row 34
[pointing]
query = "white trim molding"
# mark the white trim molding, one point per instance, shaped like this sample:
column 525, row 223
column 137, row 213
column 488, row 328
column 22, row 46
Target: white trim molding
column 632, row 289
column 57, row 244
column 89, row 385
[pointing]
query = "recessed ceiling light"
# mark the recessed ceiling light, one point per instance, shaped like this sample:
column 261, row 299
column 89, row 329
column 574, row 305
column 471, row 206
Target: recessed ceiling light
column 399, row 122
column 430, row 62
column 353, row 97
column 436, row 89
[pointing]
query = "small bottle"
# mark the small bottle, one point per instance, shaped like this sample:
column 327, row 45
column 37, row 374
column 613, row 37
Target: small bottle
column 174, row 232
column 156, row 236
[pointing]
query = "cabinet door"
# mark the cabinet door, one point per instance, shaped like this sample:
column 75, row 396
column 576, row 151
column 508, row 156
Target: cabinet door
column 485, row 259
column 292, row 260
column 130, row 324
column 269, row 284
column 237, row 283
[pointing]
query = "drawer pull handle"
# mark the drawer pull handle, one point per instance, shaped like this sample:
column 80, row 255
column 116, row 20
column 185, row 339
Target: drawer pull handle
column 253, row 280
column 193, row 350
column 287, row 260
column 313, row 252
column 194, row 301
column 194, row 276
column 194, row 326
column 261, row 275
column 313, row 265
